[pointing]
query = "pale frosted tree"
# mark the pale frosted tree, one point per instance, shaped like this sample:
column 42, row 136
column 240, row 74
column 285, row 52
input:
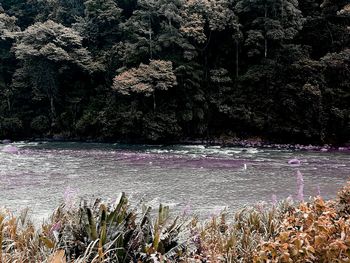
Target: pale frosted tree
column 146, row 79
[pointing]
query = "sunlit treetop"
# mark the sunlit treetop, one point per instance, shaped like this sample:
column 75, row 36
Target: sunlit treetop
column 197, row 14
column 145, row 79
column 53, row 42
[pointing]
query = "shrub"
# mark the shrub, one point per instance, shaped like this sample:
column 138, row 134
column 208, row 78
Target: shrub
column 116, row 232
column 343, row 200
column 312, row 232
column 237, row 241
column 315, row 231
column 10, row 127
column 40, row 124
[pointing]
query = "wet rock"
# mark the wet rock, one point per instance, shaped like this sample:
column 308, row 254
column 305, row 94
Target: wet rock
column 294, row 162
column 10, row 149
column 6, row 141
column 58, row 138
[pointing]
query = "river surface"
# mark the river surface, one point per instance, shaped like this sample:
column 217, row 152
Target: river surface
column 196, row 179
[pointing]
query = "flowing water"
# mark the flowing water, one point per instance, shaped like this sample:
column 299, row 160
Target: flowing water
column 201, row 179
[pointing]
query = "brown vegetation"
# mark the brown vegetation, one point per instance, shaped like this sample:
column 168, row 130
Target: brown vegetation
column 314, row 231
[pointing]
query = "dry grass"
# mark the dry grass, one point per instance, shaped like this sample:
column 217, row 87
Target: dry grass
column 219, row 241
column 315, row 231
column 20, row 240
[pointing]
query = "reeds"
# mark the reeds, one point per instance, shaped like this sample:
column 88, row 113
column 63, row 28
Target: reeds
column 20, row 241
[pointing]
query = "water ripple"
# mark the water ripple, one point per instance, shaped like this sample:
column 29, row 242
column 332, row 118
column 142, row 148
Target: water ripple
column 200, row 177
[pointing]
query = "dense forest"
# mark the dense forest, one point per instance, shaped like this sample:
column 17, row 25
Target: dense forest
column 165, row 70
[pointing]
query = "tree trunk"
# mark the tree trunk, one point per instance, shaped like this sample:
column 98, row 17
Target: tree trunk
column 3, row 86
column 8, row 103
column 53, row 110
column 205, row 67
column 265, row 38
column 237, row 59
column 154, row 100
column 150, row 36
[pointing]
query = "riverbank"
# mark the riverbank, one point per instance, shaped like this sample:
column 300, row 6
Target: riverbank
column 259, row 143
column 222, row 142
column 285, row 231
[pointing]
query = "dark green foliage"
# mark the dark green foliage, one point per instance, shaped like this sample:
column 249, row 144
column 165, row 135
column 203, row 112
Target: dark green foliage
column 47, row 51
column 10, row 127
column 161, row 126
column 163, row 70
column 40, row 124
column 116, row 232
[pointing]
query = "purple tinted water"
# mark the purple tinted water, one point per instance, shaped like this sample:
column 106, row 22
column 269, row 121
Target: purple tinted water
column 197, row 178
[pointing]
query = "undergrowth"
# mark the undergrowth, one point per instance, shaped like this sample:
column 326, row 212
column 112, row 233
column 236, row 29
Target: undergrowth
column 314, row 231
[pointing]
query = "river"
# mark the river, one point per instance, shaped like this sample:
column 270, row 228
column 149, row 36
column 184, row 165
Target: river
column 199, row 179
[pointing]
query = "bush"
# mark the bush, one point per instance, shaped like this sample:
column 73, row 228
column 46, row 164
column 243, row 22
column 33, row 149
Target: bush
column 343, row 200
column 159, row 126
column 316, row 231
column 312, row 232
column 10, row 127
column 97, row 232
column 88, row 124
column 40, row 124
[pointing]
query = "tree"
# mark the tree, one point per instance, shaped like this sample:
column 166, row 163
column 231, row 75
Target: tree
column 25, row 11
column 202, row 16
column 268, row 68
column 100, row 28
column 191, row 100
column 337, row 95
column 146, row 79
column 8, row 31
column 331, row 7
column 345, row 11
column 275, row 20
column 8, row 26
column 64, row 12
column 221, row 84
column 301, row 111
column 207, row 25
column 139, row 31
column 203, row 19
column 169, row 37
column 47, row 50
column 100, row 23
column 154, row 31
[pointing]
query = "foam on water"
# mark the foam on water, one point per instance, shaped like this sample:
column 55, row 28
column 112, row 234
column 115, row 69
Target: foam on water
column 207, row 178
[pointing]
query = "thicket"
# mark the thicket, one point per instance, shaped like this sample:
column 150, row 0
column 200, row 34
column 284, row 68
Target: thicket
column 313, row 231
column 162, row 70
